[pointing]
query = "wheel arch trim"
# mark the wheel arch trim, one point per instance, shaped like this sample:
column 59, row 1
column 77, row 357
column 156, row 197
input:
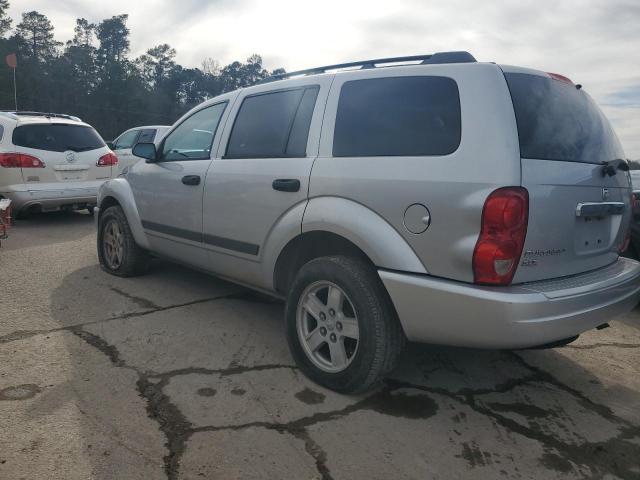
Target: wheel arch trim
column 120, row 190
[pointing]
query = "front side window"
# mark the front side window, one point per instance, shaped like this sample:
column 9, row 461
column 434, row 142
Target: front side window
column 398, row 116
column 273, row 125
column 193, row 138
column 126, row 140
column 57, row 137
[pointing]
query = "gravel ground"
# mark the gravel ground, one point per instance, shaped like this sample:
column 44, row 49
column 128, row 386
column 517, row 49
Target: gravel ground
column 180, row 375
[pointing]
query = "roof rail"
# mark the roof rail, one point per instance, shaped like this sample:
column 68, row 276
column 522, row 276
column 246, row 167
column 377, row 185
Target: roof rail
column 41, row 114
column 436, row 58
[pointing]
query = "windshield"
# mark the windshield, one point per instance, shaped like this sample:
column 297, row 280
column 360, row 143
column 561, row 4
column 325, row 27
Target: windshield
column 557, row 121
column 57, row 137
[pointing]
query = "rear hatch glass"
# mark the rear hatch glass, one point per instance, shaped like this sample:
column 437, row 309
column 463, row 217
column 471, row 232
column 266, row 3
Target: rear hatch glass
column 69, row 152
column 564, row 141
column 57, row 137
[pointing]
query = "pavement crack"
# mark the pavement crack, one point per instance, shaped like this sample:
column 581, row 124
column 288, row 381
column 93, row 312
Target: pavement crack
column 140, row 301
column 546, row 377
column 97, row 342
column 173, row 424
column 223, row 372
column 24, row 334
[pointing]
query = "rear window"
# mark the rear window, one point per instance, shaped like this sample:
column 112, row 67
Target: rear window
column 557, row 121
column 397, row 116
column 57, row 137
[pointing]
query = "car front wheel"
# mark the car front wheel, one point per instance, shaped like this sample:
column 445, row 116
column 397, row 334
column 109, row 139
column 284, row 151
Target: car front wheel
column 118, row 252
column 342, row 330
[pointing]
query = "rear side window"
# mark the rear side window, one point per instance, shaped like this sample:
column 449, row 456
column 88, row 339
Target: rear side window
column 273, row 125
column 557, row 121
column 147, row 135
column 1, row 132
column 57, row 137
column 397, row 116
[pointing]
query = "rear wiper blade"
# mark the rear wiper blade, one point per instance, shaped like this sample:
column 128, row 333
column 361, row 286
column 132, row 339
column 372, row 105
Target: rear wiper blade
column 611, row 167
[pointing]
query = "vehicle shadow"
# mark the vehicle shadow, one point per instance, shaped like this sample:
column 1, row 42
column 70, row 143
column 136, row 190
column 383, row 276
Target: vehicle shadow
column 495, row 411
column 46, row 228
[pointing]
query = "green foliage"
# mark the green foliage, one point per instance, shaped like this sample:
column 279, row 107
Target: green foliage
column 5, row 21
column 34, row 36
column 93, row 77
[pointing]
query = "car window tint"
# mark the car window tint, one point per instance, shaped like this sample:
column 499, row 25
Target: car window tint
column 147, row 135
column 297, row 144
column 126, row 140
column 557, row 121
column 57, row 137
column 1, row 132
column 398, row 116
column 193, row 138
column 272, row 125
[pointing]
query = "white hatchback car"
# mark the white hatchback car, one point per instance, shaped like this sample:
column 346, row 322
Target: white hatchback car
column 123, row 144
column 51, row 161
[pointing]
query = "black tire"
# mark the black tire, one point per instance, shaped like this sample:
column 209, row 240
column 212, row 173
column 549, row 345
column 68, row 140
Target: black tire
column 381, row 337
column 135, row 260
column 91, row 209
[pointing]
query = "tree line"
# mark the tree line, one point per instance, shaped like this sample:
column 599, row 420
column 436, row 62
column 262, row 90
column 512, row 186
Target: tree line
column 93, row 77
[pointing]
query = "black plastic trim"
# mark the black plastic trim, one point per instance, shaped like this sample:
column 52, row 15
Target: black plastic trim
column 227, row 243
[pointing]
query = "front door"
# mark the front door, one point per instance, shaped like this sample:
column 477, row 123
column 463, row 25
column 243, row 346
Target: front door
column 168, row 192
column 261, row 173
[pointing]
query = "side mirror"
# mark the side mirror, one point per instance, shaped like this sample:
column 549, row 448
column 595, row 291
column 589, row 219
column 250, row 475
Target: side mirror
column 111, row 145
column 146, row 151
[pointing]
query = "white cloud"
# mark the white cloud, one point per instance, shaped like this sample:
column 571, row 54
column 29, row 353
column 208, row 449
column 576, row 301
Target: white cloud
column 594, row 43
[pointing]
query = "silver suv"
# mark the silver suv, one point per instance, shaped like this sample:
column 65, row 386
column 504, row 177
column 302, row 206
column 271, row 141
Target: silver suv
column 437, row 199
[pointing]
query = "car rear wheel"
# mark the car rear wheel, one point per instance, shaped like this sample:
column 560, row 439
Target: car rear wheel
column 118, row 252
column 341, row 327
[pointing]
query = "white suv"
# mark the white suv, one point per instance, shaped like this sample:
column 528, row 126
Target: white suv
column 51, row 162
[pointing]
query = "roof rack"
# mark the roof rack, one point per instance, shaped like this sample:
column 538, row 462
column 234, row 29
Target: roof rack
column 40, row 114
column 433, row 59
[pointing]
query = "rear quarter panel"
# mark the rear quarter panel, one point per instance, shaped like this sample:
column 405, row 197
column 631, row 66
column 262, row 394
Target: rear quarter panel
column 453, row 187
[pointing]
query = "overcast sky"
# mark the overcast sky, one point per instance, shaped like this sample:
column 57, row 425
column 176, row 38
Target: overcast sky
column 595, row 43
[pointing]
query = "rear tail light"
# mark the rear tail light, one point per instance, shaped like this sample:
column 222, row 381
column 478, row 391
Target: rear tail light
column 504, row 228
column 561, row 78
column 624, row 245
column 20, row 160
column 107, row 160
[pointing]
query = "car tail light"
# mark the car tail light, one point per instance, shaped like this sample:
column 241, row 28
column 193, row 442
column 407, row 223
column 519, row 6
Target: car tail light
column 561, row 78
column 627, row 240
column 107, row 160
column 20, row 160
column 504, row 227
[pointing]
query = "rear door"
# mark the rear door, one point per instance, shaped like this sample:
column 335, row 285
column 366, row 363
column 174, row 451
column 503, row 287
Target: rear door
column 579, row 210
column 262, row 171
column 69, row 151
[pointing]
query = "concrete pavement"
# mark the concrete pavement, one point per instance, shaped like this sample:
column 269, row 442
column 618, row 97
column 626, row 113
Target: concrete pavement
column 180, row 375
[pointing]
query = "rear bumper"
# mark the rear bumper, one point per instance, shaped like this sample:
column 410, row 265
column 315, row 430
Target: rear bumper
column 52, row 196
column 433, row 310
